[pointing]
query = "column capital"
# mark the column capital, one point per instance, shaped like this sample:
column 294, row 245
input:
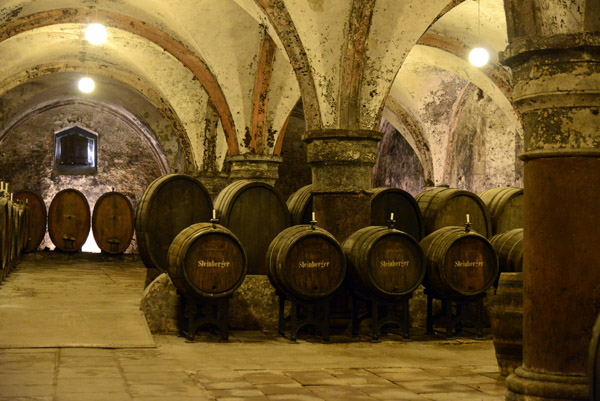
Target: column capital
column 250, row 166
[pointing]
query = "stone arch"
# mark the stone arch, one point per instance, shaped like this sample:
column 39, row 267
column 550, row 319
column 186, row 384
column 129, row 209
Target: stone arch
column 175, row 47
column 137, row 126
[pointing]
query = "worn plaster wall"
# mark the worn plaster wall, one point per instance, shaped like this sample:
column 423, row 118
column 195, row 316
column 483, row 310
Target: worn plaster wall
column 125, row 163
column 294, row 171
column 397, row 164
column 483, row 148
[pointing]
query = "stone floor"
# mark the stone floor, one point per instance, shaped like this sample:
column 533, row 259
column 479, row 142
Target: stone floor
column 251, row 366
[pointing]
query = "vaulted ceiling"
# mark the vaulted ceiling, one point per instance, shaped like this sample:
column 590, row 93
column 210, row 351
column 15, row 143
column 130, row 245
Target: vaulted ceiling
column 169, row 65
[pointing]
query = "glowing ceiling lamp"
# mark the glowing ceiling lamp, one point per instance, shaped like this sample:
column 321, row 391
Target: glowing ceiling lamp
column 479, row 56
column 86, row 84
column 96, row 34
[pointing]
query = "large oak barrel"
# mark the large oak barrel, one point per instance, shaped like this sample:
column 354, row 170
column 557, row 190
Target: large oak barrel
column 4, row 232
column 443, row 207
column 169, row 204
column 459, row 264
column 255, row 212
column 506, row 318
column 207, row 261
column 113, row 222
column 594, row 362
column 36, row 220
column 407, row 214
column 386, row 262
column 305, row 262
column 300, row 205
column 505, row 205
column 69, row 220
column 509, row 248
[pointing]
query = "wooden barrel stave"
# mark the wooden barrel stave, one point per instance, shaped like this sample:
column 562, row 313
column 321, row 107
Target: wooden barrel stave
column 113, row 222
column 37, row 217
column 506, row 318
column 459, row 264
column 407, row 213
column 386, row 262
column 300, row 205
column 443, row 207
column 505, row 205
column 207, row 261
column 256, row 214
column 170, row 204
column 307, row 263
column 69, row 220
column 4, row 232
column 509, row 248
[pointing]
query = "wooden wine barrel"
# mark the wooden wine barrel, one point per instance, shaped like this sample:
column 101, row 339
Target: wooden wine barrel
column 307, row 263
column 169, row 204
column 36, row 221
column 459, row 264
column 407, row 214
column 69, row 220
column 443, row 207
column 255, row 212
column 509, row 248
column 506, row 318
column 113, row 222
column 505, row 205
column 594, row 362
column 22, row 227
column 300, row 205
column 4, row 232
column 207, row 261
column 387, row 262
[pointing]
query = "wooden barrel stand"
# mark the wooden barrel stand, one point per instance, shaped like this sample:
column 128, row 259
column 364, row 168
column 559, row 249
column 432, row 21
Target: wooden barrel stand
column 455, row 313
column 314, row 313
column 197, row 314
column 382, row 312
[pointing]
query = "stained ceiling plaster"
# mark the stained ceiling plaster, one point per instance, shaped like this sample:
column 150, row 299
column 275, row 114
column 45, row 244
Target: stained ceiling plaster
column 226, row 37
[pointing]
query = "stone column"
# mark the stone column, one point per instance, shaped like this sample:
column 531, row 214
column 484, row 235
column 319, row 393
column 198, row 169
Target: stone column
column 250, row 166
column 342, row 164
column 557, row 90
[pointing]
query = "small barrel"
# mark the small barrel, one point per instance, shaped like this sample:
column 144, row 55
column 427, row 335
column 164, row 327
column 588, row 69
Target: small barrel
column 4, row 232
column 506, row 318
column 443, row 207
column 505, row 205
column 459, row 264
column 113, row 222
column 509, row 248
column 255, row 212
column 305, row 262
column 207, row 261
column 386, row 262
column 36, row 220
column 169, row 204
column 69, row 220
column 300, row 205
column 407, row 214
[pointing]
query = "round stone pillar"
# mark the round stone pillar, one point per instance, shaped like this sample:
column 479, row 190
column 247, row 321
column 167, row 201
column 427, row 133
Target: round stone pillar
column 342, row 164
column 255, row 167
column 556, row 87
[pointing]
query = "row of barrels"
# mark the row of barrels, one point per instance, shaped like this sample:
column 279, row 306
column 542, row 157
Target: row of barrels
column 14, row 215
column 69, row 220
column 491, row 212
column 209, row 261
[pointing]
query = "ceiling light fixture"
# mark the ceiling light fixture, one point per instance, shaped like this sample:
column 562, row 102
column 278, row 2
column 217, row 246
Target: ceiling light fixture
column 96, row 34
column 479, row 56
column 86, row 84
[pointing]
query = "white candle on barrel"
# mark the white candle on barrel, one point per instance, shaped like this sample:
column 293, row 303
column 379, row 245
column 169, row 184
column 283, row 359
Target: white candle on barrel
column 313, row 216
column 1, row 186
column 392, row 216
column 468, row 219
column 214, row 214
